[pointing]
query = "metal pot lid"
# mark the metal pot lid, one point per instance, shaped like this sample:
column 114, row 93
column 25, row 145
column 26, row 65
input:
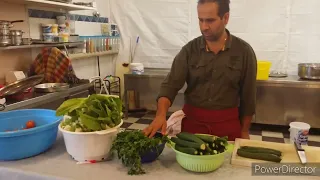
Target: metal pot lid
column 51, row 87
column 21, row 85
column 4, row 22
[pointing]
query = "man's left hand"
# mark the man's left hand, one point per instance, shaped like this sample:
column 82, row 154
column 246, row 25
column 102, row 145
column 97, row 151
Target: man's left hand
column 245, row 135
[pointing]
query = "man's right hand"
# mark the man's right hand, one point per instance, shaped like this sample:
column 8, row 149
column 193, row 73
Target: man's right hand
column 158, row 123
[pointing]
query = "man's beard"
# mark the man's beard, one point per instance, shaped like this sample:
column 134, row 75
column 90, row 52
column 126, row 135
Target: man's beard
column 214, row 37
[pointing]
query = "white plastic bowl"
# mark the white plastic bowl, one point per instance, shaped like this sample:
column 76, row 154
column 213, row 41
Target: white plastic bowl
column 90, row 146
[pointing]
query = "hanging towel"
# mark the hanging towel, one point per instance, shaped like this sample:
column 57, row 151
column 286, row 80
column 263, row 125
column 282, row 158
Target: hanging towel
column 55, row 66
column 174, row 123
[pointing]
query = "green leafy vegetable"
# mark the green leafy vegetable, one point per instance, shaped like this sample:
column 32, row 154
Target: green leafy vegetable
column 95, row 113
column 70, row 105
column 131, row 144
column 90, row 122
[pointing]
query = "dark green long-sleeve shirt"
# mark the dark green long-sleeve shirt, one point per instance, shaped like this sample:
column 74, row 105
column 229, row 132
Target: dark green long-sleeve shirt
column 214, row 81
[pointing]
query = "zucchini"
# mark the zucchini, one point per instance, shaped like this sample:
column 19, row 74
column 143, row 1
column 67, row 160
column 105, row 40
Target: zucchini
column 186, row 150
column 208, row 149
column 184, row 143
column 215, row 152
column 206, row 138
column 259, row 156
column 189, row 137
column 261, row 150
column 222, row 141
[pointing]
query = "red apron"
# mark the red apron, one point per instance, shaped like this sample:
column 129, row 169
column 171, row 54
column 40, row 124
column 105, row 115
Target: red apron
column 215, row 122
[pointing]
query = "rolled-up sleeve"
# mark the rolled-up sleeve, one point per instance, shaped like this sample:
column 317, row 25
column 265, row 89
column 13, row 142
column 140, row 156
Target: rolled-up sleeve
column 176, row 78
column 248, row 84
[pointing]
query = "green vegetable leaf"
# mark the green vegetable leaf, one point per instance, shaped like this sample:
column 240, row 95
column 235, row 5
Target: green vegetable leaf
column 70, row 105
column 93, row 113
column 108, row 110
column 90, row 122
column 118, row 103
column 107, row 119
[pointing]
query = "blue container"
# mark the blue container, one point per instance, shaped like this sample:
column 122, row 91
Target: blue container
column 153, row 154
column 30, row 142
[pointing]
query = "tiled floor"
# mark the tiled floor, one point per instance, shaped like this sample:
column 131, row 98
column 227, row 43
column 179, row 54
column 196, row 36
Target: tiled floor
column 257, row 132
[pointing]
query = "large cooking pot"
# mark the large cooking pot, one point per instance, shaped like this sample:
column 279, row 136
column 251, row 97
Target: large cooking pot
column 16, row 37
column 309, row 70
column 5, row 40
column 5, row 26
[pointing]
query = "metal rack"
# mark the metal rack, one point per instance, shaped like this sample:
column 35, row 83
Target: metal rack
column 115, row 84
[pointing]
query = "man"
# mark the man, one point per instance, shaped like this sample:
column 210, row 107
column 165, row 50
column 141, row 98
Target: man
column 220, row 71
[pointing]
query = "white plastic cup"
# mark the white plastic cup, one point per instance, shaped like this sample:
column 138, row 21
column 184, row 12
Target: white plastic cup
column 299, row 132
column 62, row 28
column 46, row 28
column 136, row 68
column 54, row 28
column 48, row 37
column 61, row 19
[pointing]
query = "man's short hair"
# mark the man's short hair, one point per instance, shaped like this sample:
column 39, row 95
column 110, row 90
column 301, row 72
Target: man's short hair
column 224, row 6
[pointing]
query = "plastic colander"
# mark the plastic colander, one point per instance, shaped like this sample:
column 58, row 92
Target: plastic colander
column 205, row 163
column 22, row 144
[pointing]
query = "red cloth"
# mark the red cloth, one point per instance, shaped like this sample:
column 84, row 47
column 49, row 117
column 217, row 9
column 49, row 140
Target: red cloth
column 215, row 122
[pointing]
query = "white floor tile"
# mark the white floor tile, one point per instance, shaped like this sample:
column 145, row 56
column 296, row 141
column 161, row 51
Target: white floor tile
column 272, row 134
column 286, row 140
column 138, row 126
column 131, row 120
column 255, row 137
column 314, row 138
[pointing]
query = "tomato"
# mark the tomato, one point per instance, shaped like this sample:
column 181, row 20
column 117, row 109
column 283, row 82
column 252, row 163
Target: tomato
column 30, row 124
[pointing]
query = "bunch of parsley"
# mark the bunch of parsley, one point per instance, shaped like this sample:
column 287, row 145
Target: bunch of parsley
column 130, row 145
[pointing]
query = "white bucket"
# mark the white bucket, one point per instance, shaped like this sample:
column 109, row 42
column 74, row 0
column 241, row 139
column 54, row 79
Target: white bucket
column 299, row 132
column 90, row 146
column 136, row 68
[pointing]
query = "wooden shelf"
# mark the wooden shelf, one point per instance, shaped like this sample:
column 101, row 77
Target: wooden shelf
column 41, row 45
column 52, row 4
column 88, row 55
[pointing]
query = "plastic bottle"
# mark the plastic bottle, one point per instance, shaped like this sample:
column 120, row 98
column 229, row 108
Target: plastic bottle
column 88, row 45
column 84, row 49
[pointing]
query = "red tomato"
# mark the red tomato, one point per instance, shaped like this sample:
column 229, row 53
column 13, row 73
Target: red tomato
column 30, row 124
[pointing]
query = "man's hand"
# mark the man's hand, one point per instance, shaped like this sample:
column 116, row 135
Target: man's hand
column 245, row 135
column 245, row 126
column 158, row 123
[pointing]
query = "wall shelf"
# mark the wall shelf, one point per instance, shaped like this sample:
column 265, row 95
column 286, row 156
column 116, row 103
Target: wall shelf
column 88, row 55
column 50, row 4
column 41, row 45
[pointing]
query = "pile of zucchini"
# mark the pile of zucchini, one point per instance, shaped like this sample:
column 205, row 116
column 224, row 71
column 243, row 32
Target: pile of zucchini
column 260, row 153
column 196, row 144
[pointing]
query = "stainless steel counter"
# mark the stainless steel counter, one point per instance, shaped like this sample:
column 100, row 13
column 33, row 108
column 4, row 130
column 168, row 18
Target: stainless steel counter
column 49, row 100
column 290, row 81
column 279, row 100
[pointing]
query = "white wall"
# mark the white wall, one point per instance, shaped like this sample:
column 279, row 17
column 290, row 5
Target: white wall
column 285, row 32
